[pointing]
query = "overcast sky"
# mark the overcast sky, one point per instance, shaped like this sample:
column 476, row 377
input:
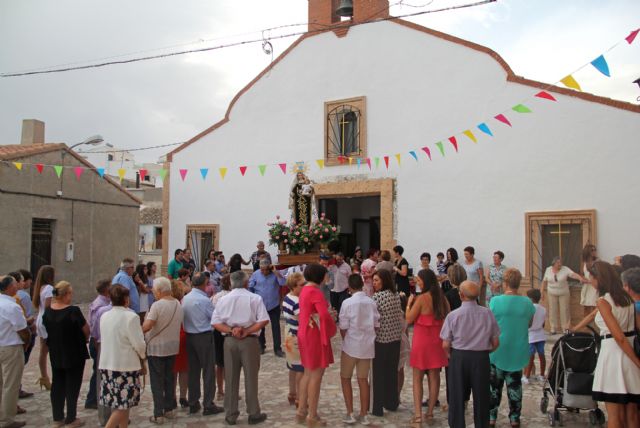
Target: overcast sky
column 171, row 100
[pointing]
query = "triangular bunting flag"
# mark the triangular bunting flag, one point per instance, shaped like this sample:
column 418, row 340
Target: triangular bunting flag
column 223, row 172
column 631, row 37
column 469, row 134
column 263, row 168
column 377, row 161
column 204, row 172
column 350, row 160
column 243, row 170
column 162, row 173
column 183, row 173
column 570, row 82
column 143, row 173
column 398, row 158
column 78, row 171
column 283, row 167
column 341, row 160
column 100, row 172
column 369, row 163
column 427, row 151
column 521, row 108
column 58, row 169
column 485, row 128
column 546, row 95
column 121, row 173
column 453, row 141
column 386, row 161
column 415, row 156
column 359, row 162
column 18, row 165
column 39, row 167
column 440, row 147
column 601, row 65
column 320, row 163
column 502, row 118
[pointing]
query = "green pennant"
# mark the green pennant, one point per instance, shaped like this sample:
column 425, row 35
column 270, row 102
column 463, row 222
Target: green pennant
column 58, row 169
column 521, row 108
column 440, row 147
column 377, row 160
column 162, row 173
column 262, row 169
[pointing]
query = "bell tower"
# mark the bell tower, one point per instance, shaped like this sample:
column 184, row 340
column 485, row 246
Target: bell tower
column 326, row 13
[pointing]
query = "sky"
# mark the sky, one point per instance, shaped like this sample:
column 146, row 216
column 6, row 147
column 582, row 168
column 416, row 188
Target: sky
column 171, row 100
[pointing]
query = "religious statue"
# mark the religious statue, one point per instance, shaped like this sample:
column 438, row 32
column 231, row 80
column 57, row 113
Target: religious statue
column 302, row 200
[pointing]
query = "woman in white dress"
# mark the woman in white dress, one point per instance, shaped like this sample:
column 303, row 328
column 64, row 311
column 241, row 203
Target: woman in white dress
column 42, row 295
column 617, row 376
column 588, row 294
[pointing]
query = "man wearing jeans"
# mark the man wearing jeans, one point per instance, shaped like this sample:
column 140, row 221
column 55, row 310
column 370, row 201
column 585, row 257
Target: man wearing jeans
column 266, row 283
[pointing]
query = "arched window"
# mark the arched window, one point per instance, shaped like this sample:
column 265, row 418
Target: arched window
column 344, row 130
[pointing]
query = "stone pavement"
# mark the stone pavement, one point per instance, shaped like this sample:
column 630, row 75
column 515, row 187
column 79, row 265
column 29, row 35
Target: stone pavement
column 273, row 400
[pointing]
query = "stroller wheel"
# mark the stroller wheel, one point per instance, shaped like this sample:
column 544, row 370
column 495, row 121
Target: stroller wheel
column 544, row 404
column 600, row 416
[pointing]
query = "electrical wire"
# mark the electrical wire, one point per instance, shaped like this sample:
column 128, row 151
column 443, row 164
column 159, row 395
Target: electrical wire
column 325, row 28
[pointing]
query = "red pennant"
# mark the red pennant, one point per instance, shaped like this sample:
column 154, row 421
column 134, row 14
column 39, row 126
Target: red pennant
column 502, row 118
column 369, row 163
column 243, row 169
column 39, row 167
column 386, row 161
column 283, row 167
column 631, row 37
column 341, row 160
column 143, row 173
column 546, row 95
column 453, row 141
column 427, row 151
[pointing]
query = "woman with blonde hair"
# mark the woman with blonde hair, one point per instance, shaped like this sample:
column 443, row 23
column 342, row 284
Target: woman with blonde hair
column 67, row 336
column 42, row 295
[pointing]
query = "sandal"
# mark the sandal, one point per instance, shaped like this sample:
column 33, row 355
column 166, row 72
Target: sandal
column 301, row 418
column 158, row 420
column 292, row 399
column 316, row 422
column 515, row 424
column 417, row 420
column 428, row 417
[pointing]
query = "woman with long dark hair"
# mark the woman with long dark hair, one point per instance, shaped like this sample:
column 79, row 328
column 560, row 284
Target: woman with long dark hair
column 235, row 263
column 141, row 280
column 452, row 259
column 427, row 312
column 42, row 296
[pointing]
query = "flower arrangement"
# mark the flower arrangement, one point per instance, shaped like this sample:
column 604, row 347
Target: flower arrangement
column 300, row 238
column 323, row 231
column 279, row 231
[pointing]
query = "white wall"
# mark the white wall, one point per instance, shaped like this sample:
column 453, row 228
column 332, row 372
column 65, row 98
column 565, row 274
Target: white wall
column 420, row 89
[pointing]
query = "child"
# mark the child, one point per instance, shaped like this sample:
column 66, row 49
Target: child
column 291, row 310
column 536, row 337
column 405, row 344
column 440, row 266
column 359, row 318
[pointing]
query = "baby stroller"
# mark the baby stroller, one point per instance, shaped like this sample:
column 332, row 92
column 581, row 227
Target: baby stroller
column 570, row 378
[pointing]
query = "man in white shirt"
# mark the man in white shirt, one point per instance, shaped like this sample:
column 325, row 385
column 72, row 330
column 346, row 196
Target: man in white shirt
column 341, row 272
column 240, row 316
column 14, row 334
column 359, row 318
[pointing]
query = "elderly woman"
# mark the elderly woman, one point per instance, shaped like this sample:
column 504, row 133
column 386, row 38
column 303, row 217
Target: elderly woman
column 555, row 291
column 162, row 329
column 367, row 268
column 514, row 314
column 122, row 353
column 475, row 272
column 494, row 275
column 67, row 336
column 387, row 345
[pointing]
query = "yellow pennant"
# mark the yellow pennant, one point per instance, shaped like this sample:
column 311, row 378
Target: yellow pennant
column 469, row 134
column 570, row 82
column 121, row 173
column 398, row 158
column 18, row 165
column 223, row 172
column 320, row 163
column 350, row 161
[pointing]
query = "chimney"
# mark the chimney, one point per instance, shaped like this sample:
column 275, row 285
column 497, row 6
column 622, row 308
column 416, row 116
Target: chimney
column 322, row 13
column 32, row 132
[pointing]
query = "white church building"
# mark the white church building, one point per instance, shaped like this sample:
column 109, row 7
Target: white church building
column 545, row 184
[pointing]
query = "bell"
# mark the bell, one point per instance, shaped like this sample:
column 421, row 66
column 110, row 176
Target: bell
column 345, row 9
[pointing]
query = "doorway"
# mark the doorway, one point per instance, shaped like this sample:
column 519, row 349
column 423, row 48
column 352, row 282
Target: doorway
column 41, row 239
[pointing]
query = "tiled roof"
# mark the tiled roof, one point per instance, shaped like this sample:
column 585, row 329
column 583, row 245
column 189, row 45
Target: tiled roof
column 151, row 215
column 16, row 151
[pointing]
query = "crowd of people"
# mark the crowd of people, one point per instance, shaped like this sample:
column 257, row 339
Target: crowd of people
column 197, row 328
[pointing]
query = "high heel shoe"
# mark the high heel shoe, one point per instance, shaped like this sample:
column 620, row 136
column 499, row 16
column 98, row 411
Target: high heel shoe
column 44, row 383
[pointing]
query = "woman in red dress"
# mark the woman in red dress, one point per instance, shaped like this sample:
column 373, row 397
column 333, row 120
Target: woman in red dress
column 316, row 327
column 428, row 312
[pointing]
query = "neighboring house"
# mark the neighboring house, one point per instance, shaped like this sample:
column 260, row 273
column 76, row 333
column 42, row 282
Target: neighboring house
column 43, row 215
column 558, row 178
column 150, row 231
column 114, row 159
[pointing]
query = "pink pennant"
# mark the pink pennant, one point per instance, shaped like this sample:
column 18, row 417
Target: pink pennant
column 183, row 173
column 502, row 118
column 143, row 173
column 78, row 171
column 283, row 167
column 386, row 161
column 546, row 95
column 341, row 160
column 243, row 170
column 453, row 141
column 369, row 163
column 39, row 167
column 631, row 37
column 427, row 151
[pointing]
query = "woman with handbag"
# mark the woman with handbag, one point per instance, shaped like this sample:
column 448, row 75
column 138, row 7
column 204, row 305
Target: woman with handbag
column 162, row 328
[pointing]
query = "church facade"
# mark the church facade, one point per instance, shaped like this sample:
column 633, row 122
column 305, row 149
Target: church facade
column 543, row 185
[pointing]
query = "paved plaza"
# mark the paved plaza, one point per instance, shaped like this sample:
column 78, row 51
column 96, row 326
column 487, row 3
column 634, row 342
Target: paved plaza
column 273, row 400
